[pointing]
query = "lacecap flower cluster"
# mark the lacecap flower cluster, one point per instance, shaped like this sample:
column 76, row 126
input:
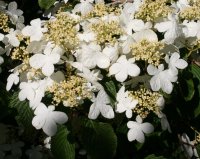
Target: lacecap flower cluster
column 135, row 44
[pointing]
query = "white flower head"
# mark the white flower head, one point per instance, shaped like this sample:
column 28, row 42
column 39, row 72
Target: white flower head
column 101, row 106
column 47, row 118
column 123, row 67
column 125, row 103
column 47, row 60
column 175, row 62
column 138, row 129
column 35, row 30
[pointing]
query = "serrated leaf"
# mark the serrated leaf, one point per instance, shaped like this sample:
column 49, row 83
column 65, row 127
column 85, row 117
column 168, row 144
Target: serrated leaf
column 46, row 4
column 24, row 116
column 61, row 145
column 99, row 139
column 152, row 156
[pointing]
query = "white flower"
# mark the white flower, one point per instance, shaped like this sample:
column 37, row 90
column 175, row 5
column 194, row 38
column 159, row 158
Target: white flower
column 123, row 67
column 131, row 8
column 47, row 60
column 1, row 37
column 12, row 79
column 47, row 143
column 188, row 146
column 84, row 7
column 164, row 122
column 125, row 103
column 175, row 62
column 35, row 31
column 171, row 28
column 36, row 46
column 13, row 12
column 147, row 34
column 101, row 105
column 92, row 76
column 192, row 29
column 182, row 4
column 65, row 1
column 138, row 129
column 86, row 36
column 162, row 78
column 47, row 118
column 126, row 45
column 91, row 56
column 1, row 60
column 27, row 90
column 137, row 25
column 12, row 38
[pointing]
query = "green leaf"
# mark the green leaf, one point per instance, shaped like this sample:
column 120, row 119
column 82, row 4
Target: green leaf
column 99, row 139
column 197, row 109
column 153, row 156
column 190, row 90
column 24, row 116
column 195, row 71
column 111, row 91
column 61, row 145
column 46, row 4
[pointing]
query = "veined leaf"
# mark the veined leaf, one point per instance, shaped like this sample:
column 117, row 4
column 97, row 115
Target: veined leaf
column 190, row 90
column 46, row 4
column 24, row 116
column 61, row 146
column 152, row 156
column 99, row 139
column 195, row 71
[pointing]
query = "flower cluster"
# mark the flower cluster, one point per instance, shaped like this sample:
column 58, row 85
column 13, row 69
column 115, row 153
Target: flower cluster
column 137, row 45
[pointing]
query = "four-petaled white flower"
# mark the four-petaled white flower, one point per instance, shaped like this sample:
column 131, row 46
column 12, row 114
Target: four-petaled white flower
column 161, row 78
column 192, row 29
column 125, row 103
column 101, row 105
column 12, row 37
column 138, row 129
column 175, row 62
column 27, row 90
column 13, row 12
column 47, row 60
column 35, row 31
column 91, row 56
column 123, row 67
column 47, row 118
column 171, row 28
